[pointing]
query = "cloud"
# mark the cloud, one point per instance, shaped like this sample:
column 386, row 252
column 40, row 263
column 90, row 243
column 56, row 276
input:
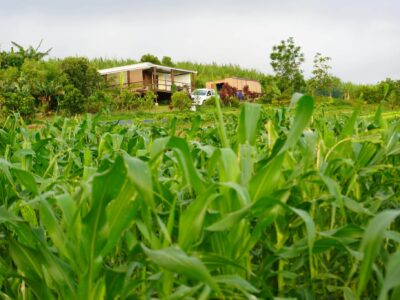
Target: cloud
column 362, row 37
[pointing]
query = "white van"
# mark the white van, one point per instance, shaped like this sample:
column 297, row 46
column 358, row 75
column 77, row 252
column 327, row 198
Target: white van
column 201, row 95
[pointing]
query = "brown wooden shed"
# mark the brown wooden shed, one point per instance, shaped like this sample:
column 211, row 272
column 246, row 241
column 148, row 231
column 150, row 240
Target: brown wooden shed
column 238, row 83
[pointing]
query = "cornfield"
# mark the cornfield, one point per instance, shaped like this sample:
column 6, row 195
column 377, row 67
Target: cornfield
column 272, row 204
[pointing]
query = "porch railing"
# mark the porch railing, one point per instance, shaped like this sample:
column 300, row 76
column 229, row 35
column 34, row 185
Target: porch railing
column 161, row 85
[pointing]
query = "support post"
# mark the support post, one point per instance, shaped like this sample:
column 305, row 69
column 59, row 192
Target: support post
column 172, row 79
column 193, row 80
column 153, row 79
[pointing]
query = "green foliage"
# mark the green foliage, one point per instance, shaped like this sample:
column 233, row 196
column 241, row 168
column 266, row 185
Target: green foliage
column 98, row 101
column 370, row 94
column 149, row 99
column 211, row 101
column 322, row 82
column 126, row 99
column 232, row 101
column 167, row 61
column 72, row 102
column 272, row 203
column 104, row 63
column 150, row 58
column 286, row 59
column 270, row 90
column 181, row 100
column 17, row 58
column 20, row 101
column 81, row 74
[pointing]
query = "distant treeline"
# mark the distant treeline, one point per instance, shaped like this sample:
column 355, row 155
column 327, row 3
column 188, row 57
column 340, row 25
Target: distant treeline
column 322, row 84
column 29, row 83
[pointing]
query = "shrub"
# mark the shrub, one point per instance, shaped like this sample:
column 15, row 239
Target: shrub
column 181, row 100
column 21, row 102
column 72, row 102
column 211, row 101
column 271, row 93
column 371, row 94
column 226, row 92
column 101, row 99
column 232, row 101
column 128, row 100
column 286, row 94
column 148, row 100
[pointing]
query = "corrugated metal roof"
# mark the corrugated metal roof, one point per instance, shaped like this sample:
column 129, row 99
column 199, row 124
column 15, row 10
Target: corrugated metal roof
column 141, row 66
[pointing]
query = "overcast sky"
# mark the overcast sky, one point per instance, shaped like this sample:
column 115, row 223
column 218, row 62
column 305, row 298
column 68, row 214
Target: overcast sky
column 361, row 36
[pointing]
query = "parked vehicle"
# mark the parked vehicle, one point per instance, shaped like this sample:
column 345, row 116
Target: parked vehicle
column 200, row 95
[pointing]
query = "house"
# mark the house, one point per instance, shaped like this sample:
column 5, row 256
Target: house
column 238, row 83
column 147, row 76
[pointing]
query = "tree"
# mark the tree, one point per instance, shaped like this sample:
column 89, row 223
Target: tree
column 81, row 74
column 286, row 59
column 322, row 81
column 17, row 58
column 150, row 58
column 167, row 61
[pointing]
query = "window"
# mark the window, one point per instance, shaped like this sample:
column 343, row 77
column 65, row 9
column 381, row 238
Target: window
column 199, row 92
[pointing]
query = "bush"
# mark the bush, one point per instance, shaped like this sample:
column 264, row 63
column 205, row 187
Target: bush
column 101, row 99
column 181, row 100
column 72, row 102
column 371, row 94
column 232, row 102
column 211, row 101
column 229, row 101
column 148, row 100
column 128, row 100
column 286, row 94
column 21, row 102
column 271, row 93
column 227, row 92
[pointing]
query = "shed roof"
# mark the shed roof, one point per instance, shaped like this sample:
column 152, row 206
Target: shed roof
column 141, row 66
column 232, row 77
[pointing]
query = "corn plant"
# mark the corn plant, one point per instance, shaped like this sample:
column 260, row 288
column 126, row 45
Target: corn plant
column 283, row 203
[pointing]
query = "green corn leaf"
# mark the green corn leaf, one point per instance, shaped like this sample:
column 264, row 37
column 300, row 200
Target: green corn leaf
column 311, row 234
column 230, row 220
column 266, row 180
column 138, row 174
column 392, row 277
column 177, row 261
column 249, row 123
column 27, row 179
column 237, row 282
column 348, row 129
column 190, row 173
column 371, row 243
column 304, row 111
column 192, row 218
